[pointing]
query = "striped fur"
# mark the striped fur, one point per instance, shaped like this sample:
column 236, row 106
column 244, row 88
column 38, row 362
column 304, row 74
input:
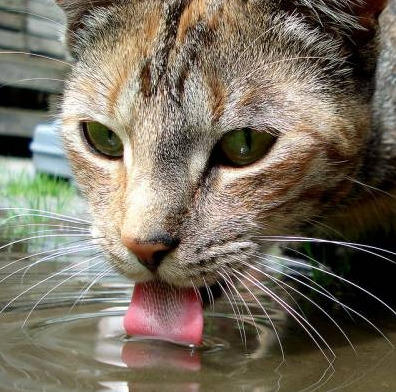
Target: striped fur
column 172, row 77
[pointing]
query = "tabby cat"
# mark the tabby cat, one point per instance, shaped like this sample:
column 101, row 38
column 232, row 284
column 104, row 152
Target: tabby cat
column 203, row 131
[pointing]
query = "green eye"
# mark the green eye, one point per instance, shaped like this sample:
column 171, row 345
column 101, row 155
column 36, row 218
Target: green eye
column 245, row 146
column 103, row 140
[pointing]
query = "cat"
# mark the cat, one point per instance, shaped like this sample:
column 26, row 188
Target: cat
column 202, row 132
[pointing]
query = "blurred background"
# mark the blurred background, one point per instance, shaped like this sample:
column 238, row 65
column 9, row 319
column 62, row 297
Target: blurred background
column 33, row 67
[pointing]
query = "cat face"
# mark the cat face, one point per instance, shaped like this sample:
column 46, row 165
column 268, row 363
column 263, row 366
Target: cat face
column 207, row 127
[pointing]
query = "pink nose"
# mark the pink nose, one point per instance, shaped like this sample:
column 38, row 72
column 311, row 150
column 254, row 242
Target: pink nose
column 150, row 254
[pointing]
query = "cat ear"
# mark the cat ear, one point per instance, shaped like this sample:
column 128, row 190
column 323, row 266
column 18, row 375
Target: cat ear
column 75, row 11
column 348, row 16
column 367, row 12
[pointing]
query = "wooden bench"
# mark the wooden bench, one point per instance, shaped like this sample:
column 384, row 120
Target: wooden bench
column 31, row 57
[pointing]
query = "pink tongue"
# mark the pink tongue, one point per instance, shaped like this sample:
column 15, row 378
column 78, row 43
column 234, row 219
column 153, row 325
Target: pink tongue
column 165, row 312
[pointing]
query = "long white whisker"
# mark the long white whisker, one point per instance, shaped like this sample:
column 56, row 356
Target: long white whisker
column 210, row 294
column 61, row 283
column 39, row 283
column 40, row 237
column 361, row 247
column 43, row 214
column 370, row 188
column 34, row 55
column 16, row 81
column 273, row 278
column 225, row 275
column 294, row 271
column 60, row 253
column 349, row 282
column 84, row 292
column 197, row 292
column 223, row 289
column 30, row 256
column 241, row 323
column 60, row 227
column 48, row 257
column 299, row 319
column 42, row 17
column 326, row 296
column 266, row 315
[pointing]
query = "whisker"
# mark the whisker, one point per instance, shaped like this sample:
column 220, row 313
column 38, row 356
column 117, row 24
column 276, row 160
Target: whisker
column 39, row 254
column 60, row 229
column 308, row 328
column 240, row 316
column 34, row 55
column 266, row 315
column 30, row 212
column 347, row 281
column 306, row 277
column 61, row 253
column 16, row 81
column 59, row 226
column 370, row 188
column 210, row 294
column 197, row 292
column 61, row 283
column 41, row 282
column 42, row 17
column 329, row 297
column 369, row 249
column 273, row 278
column 226, row 276
column 223, row 289
column 46, row 258
column 39, row 237
column 95, row 280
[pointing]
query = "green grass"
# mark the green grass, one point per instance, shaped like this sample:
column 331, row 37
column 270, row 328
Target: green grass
column 40, row 192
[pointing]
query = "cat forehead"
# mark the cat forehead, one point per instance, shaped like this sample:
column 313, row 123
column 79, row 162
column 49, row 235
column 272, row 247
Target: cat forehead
column 131, row 54
column 158, row 37
column 158, row 64
column 165, row 44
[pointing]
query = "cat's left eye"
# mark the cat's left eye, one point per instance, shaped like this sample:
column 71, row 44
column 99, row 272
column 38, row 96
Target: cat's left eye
column 244, row 146
column 102, row 139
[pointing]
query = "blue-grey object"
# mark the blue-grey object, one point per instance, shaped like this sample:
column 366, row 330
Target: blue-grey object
column 48, row 153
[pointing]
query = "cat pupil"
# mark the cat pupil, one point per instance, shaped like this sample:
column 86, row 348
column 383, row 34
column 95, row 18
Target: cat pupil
column 111, row 137
column 248, row 139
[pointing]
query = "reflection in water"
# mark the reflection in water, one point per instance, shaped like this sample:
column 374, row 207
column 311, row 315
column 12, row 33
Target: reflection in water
column 82, row 347
column 113, row 349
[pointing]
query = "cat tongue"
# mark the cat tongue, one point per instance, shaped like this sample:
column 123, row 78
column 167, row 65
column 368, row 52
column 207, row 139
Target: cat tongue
column 165, row 312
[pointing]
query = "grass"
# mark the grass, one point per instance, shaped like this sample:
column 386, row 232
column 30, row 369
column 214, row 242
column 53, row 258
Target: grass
column 40, row 192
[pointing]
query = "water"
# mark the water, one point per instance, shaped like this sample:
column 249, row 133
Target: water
column 64, row 337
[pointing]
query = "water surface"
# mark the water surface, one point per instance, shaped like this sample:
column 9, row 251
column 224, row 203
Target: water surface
column 68, row 337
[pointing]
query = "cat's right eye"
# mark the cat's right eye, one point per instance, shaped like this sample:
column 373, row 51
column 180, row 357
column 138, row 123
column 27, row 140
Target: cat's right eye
column 103, row 140
column 244, row 146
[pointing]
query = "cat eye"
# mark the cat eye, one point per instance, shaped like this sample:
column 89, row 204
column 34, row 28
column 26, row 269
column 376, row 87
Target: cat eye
column 102, row 139
column 244, row 146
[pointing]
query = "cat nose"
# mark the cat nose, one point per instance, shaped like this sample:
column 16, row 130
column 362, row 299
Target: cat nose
column 150, row 253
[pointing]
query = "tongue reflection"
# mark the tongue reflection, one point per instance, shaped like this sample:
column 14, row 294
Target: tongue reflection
column 165, row 312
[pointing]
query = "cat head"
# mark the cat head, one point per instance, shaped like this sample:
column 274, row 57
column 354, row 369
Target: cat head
column 198, row 130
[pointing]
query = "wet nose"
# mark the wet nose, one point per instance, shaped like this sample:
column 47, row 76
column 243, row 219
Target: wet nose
column 150, row 253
